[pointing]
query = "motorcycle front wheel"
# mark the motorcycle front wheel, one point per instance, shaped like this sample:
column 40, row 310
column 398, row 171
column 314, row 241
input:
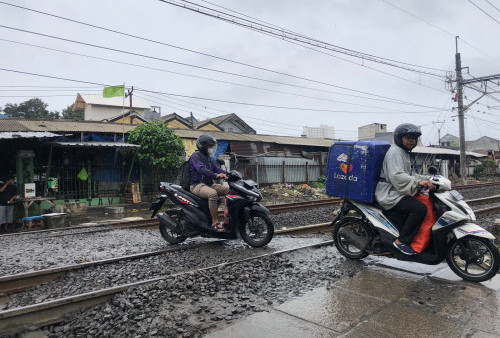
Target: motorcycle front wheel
column 341, row 238
column 258, row 231
column 473, row 258
column 169, row 235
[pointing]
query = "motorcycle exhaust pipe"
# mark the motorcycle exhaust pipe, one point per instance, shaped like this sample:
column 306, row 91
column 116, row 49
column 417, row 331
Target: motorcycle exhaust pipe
column 167, row 221
column 359, row 242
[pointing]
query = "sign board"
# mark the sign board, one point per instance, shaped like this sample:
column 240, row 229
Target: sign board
column 29, row 190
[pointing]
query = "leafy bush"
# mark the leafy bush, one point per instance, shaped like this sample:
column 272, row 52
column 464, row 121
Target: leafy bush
column 484, row 166
column 160, row 147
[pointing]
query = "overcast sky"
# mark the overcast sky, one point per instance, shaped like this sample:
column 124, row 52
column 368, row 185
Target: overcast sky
column 344, row 94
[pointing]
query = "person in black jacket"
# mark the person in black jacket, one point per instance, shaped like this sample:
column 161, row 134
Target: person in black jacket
column 8, row 193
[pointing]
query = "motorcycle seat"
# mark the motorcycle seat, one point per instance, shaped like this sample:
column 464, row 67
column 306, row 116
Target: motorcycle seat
column 199, row 200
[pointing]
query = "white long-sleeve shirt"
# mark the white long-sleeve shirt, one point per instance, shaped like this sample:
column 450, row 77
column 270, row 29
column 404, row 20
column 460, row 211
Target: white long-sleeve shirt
column 398, row 180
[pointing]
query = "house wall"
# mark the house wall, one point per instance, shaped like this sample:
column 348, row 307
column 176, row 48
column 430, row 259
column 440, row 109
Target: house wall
column 209, row 127
column 99, row 113
column 368, row 132
column 176, row 125
column 128, row 120
column 232, row 127
column 484, row 143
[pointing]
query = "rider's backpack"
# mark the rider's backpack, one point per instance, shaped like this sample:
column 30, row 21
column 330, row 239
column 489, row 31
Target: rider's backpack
column 184, row 176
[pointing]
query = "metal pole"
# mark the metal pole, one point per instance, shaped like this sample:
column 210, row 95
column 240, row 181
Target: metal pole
column 461, row 124
column 46, row 188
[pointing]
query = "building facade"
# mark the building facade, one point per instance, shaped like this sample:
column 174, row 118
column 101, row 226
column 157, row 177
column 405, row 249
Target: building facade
column 368, row 132
column 323, row 131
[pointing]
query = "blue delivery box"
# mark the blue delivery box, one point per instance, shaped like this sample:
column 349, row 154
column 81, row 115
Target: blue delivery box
column 353, row 169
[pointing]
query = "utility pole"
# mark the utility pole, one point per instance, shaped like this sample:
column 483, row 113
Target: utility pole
column 461, row 124
column 440, row 123
column 461, row 83
column 129, row 94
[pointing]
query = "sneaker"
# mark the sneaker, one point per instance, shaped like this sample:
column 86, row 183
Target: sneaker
column 405, row 248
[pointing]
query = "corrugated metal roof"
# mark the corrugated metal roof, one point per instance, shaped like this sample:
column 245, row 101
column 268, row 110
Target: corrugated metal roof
column 75, row 126
column 95, row 144
column 26, row 134
column 7, row 124
column 226, row 136
column 443, row 151
column 114, row 101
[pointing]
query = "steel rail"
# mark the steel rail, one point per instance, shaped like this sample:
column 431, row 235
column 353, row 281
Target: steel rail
column 475, row 185
column 19, row 282
column 495, row 209
column 484, row 200
column 144, row 223
column 15, row 320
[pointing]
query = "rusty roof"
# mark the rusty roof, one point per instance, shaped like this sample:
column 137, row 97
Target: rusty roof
column 70, row 126
column 226, row 136
column 107, row 127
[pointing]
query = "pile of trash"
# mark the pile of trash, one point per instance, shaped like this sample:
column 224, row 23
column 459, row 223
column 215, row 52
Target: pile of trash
column 288, row 193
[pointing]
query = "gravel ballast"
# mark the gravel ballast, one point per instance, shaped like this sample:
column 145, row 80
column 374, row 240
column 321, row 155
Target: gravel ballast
column 25, row 253
column 195, row 304
column 124, row 272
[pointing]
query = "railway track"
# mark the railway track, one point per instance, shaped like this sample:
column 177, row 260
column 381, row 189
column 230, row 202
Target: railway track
column 153, row 223
column 274, row 209
column 16, row 319
column 13, row 320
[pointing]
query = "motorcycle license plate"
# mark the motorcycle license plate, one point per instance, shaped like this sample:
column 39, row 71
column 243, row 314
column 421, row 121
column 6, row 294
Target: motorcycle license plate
column 458, row 196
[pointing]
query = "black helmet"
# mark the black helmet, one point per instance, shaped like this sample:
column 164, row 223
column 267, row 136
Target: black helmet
column 207, row 144
column 405, row 129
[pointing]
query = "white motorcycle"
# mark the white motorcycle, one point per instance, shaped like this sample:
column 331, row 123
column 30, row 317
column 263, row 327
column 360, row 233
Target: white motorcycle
column 363, row 229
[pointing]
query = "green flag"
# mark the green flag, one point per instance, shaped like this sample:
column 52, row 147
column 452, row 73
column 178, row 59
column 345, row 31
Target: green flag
column 83, row 175
column 113, row 91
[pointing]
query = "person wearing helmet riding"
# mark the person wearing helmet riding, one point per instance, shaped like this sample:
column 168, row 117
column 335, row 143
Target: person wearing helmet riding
column 203, row 172
column 398, row 183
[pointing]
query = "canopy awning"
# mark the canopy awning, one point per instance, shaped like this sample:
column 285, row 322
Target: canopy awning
column 95, row 144
column 7, row 135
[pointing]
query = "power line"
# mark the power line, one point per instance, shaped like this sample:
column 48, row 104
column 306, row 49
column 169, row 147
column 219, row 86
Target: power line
column 482, row 10
column 190, row 50
column 195, row 66
column 217, row 100
column 211, row 79
column 439, row 28
column 275, row 123
column 290, row 35
column 278, row 107
column 495, row 7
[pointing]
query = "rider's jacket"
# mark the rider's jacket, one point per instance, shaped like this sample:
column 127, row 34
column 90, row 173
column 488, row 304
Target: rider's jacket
column 396, row 178
column 203, row 169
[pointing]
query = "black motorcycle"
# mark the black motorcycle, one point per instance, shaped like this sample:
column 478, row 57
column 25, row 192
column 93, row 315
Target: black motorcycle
column 247, row 218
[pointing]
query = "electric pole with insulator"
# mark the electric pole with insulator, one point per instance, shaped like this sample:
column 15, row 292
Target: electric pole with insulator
column 461, row 123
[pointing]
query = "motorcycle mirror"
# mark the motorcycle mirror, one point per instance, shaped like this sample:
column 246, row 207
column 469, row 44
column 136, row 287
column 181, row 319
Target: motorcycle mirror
column 433, row 170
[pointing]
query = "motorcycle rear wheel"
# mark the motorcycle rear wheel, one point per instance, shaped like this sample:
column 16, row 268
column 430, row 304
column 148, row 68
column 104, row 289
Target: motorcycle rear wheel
column 343, row 245
column 473, row 258
column 169, row 235
column 258, row 231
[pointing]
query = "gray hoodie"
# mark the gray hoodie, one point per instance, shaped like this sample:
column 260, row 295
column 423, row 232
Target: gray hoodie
column 397, row 178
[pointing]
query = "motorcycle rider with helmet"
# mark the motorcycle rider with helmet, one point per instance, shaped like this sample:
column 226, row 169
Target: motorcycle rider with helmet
column 204, row 170
column 398, row 183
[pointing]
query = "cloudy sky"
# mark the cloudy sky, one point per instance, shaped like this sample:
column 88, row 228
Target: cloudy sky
column 276, row 85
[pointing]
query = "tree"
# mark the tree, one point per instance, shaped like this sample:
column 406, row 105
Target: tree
column 68, row 113
column 160, row 147
column 32, row 109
